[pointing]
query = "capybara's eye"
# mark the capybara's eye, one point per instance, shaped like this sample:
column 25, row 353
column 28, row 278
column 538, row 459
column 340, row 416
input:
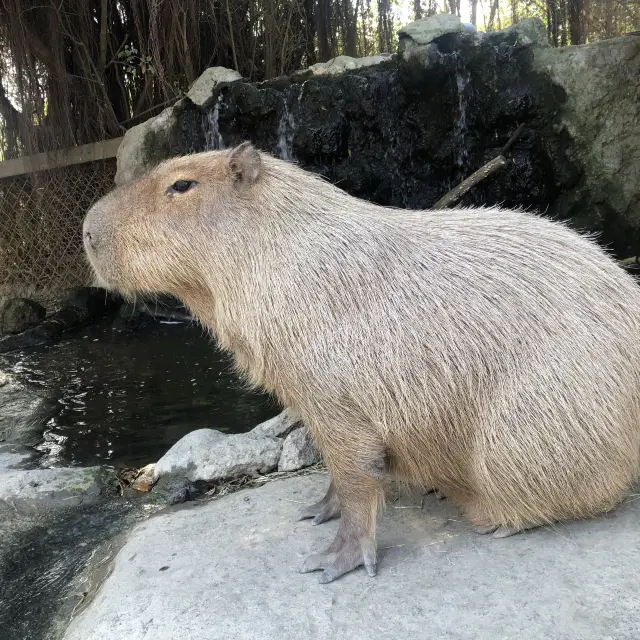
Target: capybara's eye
column 180, row 186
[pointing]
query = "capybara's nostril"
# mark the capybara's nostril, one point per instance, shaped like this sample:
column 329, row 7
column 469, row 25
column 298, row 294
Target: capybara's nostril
column 88, row 239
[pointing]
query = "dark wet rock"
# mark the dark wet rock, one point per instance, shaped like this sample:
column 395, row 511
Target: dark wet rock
column 141, row 311
column 24, row 412
column 19, row 314
column 84, row 306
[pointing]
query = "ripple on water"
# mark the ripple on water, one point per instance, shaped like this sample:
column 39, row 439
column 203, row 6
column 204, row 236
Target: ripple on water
column 125, row 397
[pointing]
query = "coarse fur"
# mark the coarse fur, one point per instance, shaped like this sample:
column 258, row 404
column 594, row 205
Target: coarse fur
column 492, row 353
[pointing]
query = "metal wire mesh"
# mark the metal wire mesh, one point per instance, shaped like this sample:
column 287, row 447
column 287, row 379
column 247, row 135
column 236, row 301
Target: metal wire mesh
column 41, row 213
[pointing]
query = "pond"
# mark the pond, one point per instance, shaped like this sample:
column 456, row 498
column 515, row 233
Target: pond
column 122, row 397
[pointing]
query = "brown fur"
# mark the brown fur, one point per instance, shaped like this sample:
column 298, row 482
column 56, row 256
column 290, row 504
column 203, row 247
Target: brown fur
column 491, row 353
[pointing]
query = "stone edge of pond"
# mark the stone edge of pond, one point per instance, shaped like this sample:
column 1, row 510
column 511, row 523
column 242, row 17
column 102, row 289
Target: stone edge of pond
column 281, row 444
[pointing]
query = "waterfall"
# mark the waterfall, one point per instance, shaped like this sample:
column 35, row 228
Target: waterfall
column 286, row 131
column 213, row 137
column 462, row 80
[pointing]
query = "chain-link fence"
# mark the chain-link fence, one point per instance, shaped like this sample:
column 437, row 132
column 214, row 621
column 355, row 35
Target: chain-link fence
column 41, row 213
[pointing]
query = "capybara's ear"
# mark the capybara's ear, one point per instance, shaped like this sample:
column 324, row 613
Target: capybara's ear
column 244, row 165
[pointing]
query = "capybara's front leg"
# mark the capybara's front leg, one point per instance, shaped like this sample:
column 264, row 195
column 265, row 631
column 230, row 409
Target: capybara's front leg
column 327, row 509
column 354, row 544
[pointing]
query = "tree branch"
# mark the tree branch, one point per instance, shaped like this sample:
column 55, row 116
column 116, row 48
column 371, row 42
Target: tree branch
column 457, row 193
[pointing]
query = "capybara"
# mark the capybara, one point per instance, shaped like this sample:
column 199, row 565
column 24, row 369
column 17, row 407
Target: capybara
column 493, row 354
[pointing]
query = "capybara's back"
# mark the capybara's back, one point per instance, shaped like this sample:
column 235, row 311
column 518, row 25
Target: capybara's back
column 491, row 353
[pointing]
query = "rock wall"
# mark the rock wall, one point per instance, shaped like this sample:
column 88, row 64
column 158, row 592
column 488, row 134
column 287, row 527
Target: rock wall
column 403, row 130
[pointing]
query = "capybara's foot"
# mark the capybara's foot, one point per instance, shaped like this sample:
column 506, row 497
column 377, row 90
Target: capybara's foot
column 351, row 554
column 327, row 509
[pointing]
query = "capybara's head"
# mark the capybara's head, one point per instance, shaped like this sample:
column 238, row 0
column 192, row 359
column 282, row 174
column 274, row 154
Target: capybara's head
column 149, row 236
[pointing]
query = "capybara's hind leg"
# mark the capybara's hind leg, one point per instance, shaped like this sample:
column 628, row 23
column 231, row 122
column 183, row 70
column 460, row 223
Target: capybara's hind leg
column 327, row 509
column 354, row 544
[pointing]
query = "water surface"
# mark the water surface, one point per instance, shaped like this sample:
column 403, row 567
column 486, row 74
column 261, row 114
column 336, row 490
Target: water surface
column 123, row 397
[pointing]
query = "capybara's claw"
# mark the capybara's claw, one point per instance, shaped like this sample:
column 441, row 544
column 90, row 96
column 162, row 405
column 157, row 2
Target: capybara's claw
column 483, row 531
column 320, row 512
column 335, row 564
column 500, row 532
column 327, row 509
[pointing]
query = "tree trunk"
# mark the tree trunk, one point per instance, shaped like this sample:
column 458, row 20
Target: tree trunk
column 309, row 19
column 474, row 12
column 351, row 28
column 608, row 18
column 323, row 22
column 495, row 5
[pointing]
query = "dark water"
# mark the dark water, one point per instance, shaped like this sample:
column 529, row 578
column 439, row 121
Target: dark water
column 123, row 397
column 42, row 566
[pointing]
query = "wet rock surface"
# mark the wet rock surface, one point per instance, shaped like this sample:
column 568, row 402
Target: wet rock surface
column 84, row 306
column 23, row 411
column 18, row 314
column 232, row 564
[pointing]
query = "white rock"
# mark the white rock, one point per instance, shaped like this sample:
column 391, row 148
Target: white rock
column 279, row 427
column 206, row 454
column 298, row 451
column 340, row 64
column 203, row 87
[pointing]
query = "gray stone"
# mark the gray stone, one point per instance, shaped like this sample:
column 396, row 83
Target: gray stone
column 601, row 115
column 340, row 64
column 227, row 569
column 19, row 314
column 12, row 456
column 529, row 32
column 202, row 89
column 428, row 29
column 50, row 488
column 209, row 455
column 135, row 153
column 298, row 451
column 279, row 427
